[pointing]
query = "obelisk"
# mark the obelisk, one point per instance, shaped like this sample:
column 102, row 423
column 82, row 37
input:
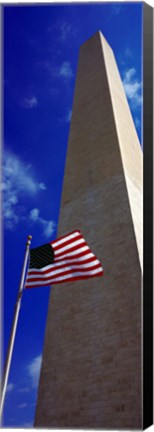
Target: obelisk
column 91, row 369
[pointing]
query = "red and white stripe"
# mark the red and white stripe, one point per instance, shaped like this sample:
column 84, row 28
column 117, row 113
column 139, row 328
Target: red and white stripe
column 73, row 260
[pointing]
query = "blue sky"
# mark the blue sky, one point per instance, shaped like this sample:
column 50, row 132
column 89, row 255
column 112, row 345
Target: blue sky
column 40, row 55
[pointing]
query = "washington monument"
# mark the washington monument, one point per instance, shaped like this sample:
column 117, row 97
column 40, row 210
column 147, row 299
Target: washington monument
column 91, row 369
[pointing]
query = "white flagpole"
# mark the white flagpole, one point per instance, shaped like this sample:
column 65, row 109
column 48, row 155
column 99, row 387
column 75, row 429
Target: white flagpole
column 14, row 326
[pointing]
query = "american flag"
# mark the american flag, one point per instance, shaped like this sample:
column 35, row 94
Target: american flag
column 66, row 259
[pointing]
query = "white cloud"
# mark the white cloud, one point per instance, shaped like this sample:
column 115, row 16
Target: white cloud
column 27, row 425
column 132, row 88
column 34, row 214
column 138, row 123
column 10, row 387
column 33, row 370
column 68, row 116
column 23, row 405
column 24, row 390
column 29, row 103
column 128, row 53
column 17, row 174
column 48, row 226
column 64, row 71
column 42, row 186
column 18, row 181
column 65, row 31
column 129, row 74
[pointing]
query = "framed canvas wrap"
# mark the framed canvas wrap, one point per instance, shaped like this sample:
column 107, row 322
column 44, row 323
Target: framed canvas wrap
column 78, row 158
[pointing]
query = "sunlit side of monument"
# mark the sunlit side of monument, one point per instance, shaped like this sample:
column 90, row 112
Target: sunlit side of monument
column 91, row 370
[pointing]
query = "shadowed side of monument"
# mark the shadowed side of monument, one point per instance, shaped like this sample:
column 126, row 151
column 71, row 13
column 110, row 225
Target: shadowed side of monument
column 91, row 370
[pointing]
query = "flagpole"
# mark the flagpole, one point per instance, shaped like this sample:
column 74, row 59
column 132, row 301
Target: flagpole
column 14, row 326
